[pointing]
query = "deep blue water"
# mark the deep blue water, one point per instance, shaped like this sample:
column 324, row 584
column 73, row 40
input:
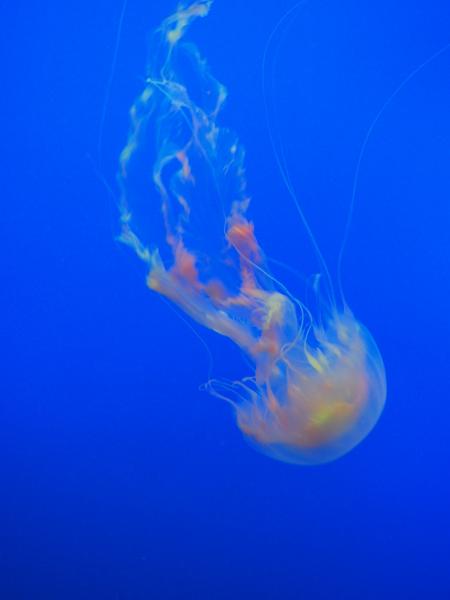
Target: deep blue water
column 120, row 479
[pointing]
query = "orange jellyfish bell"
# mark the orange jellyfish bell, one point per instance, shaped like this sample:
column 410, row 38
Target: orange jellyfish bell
column 315, row 404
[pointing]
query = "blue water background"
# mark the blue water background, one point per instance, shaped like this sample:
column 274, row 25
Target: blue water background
column 119, row 478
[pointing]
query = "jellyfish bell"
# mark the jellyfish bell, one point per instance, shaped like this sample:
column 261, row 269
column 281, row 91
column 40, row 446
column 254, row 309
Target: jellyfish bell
column 319, row 401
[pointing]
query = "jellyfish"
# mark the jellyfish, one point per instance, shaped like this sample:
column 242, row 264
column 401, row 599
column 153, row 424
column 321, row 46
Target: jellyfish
column 317, row 385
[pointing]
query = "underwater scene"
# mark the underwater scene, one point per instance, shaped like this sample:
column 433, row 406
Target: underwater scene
column 226, row 269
